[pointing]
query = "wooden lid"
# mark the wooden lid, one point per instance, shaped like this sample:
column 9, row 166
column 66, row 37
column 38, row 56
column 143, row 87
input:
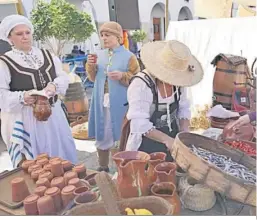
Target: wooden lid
column 57, row 180
column 18, row 180
column 31, row 198
column 52, row 191
column 68, row 189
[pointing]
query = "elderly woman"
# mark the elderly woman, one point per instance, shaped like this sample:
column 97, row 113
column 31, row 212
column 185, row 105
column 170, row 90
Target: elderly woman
column 23, row 69
column 111, row 72
column 158, row 105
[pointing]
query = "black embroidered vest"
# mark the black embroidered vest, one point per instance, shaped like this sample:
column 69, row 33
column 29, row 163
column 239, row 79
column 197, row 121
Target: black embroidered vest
column 25, row 79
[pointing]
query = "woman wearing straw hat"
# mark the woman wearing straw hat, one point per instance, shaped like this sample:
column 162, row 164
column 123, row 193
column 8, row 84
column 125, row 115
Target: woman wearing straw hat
column 158, row 107
column 111, row 72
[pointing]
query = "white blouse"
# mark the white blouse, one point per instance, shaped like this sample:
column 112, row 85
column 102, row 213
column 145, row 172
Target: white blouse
column 140, row 99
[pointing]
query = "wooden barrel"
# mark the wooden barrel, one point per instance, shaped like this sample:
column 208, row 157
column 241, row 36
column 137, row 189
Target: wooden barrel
column 226, row 75
column 76, row 101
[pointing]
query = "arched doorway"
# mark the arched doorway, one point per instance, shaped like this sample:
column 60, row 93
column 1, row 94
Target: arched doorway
column 185, row 14
column 158, row 21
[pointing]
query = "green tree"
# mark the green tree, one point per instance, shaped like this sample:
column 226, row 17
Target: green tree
column 60, row 21
column 138, row 36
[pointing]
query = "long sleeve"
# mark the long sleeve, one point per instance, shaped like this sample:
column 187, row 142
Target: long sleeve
column 252, row 116
column 9, row 101
column 91, row 71
column 184, row 105
column 133, row 68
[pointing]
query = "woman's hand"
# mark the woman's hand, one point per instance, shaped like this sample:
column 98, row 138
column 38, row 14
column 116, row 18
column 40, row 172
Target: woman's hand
column 29, row 99
column 243, row 120
column 169, row 143
column 50, row 89
column 115, row 75
column 91, row 59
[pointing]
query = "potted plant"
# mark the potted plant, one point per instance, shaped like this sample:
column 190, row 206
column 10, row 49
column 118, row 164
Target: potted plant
column 59, row 22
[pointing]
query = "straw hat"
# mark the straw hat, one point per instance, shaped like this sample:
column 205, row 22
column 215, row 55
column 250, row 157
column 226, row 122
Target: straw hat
column 172, row 63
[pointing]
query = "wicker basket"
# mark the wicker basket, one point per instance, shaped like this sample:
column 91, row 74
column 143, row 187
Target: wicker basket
column 113, row 205
column 208, row 174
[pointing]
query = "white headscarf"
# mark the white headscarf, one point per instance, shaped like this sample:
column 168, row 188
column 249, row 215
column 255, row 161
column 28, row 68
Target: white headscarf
column 11, row 21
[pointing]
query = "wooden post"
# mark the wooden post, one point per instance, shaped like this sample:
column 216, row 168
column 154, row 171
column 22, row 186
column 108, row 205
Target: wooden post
column 166, row 16
column 19, row 8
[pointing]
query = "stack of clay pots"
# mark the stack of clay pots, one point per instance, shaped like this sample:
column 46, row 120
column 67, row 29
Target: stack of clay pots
column 57, row 181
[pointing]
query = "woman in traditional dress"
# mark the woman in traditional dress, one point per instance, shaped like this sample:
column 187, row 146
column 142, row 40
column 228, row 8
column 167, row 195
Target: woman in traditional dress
column 158, row 104
column 23, row 69
column 110, row 73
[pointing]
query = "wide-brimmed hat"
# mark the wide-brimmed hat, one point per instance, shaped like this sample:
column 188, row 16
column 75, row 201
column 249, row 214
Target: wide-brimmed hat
column 172, row 63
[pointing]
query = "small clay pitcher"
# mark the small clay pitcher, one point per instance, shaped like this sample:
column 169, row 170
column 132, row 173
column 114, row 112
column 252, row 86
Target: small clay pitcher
column 35, row 174
column 40, row 190
column 67, row 194
column 42, row 161
column 69, row 175
column 19, row 189
column 58, row 182
column 166, row 172
column 85, row 197
column 81, row 170
column 78, row 182
column 167, row 191
column 42, row 108
column 47, row 167
column 46, row 174
column 26, row 164
column 34, row 167
column 80, row 190
column 30, row 204
column 155, row 159
column 43, row 182
column 67, row 165
column 46, row 206
column 43, row 155
column 91, row 179
column 56, row 168
column 55, row 193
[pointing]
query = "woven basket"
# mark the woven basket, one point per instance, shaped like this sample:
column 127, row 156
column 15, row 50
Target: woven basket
column 113, row 205
column 208, row 174
column 194, row 196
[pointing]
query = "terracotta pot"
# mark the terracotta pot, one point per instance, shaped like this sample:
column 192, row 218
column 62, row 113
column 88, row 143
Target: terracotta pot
column 67, row 194
column 43, row 182
column 33, row 167
column 78, row 182
column 166, row 172
column 67, row 165
column 19, row 189
column 155, row 159
column 42, row 161
column 80, row 170
column 47, row 167
column 42, row 109
column 167, row 191
column 30, row 204
column 80, row 190
column 91, row 179
column 35, row 174
column 85, row 197
column 55, row 193
column 43, row 155
column 46, row 174
column 58, row 182
column 40, row 190
column 133, row 180
column 69, row 175
column 56, row 168
column 46, row 206
column 54, row 159
column 26, row 164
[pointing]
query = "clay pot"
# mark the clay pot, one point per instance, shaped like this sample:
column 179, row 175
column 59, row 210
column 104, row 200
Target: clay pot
column 55, row 193
column 80, row 190
column 67, row 165
column 26, row 164
column 42, row 109
column 46, row 206
column 54, row 159
column 35, row 174
column 19, row 189
column 58, row 182
column 80, row 170
column 166, row 172
column 155, row 159
column 91, row 179
column 47, row 175
column 69, row 175
column 43, row 182
column 30, row 204
column 167, row 191
column 56, row 168
column 42, row 161
column 33, row 167
column 43, row 155
column 47, row 167
column 67, row 194
column 78, row 182
column 85, row 197
column 40, row 190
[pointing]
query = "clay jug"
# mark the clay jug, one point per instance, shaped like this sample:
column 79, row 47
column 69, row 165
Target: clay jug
column 133, row 179
column 166, row 172
column 42, row 108
column 155, row 159
column 168, row 192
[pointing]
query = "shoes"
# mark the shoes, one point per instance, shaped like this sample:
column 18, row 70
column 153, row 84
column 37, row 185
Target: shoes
column 105, row 169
